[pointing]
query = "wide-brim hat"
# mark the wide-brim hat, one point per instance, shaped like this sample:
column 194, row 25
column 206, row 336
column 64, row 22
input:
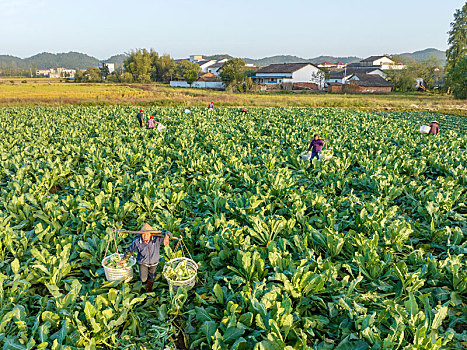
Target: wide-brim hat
column 434, row 121
column 147, row 228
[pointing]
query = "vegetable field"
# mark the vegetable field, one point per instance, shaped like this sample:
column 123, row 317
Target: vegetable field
column 363, row 251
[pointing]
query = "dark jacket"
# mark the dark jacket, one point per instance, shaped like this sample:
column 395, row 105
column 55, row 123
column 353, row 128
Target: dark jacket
column 148, row 253
column 434, row 128
column 139, row 116
column 316, row 145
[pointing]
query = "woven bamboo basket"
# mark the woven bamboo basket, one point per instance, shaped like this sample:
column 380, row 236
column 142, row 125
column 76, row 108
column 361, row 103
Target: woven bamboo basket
column 189, row 283
column 112, row 274
column 425, row 129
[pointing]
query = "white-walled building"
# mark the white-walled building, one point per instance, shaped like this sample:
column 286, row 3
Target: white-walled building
column 110, row 66
column 305, row 73
column 195, row 58
column 205, row 64
column 383, row 62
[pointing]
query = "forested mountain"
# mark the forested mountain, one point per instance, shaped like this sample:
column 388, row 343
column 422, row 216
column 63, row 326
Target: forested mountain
column 423, row 55
column 78, row 60
column 45, row 60
column 416, row 56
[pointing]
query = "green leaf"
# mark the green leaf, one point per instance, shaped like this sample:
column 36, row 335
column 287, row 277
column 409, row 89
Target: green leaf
column 11, row 344
column 202, row 315
column 218, row 293
column 411, row 305
column 15, row 266
column 232, row 333
column 209, row 329
column 348, row 344
column 51, row 317
column 439, row 317
column 246, row 319
column 89, row 310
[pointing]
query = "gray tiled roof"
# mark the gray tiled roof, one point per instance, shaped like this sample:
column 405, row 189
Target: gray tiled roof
column 282, row 68
column 370, row 80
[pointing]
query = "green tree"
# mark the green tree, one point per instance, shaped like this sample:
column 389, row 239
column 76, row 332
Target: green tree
column 79, row 76
column 429, row 70
column 191, row 75
column 93, row 75
column 104, row 71
column 456, row 54
column 163, row 68
column 126, row 77
column 457, row 40
column 233, row 71
column 457, row 79
column 187, row 70
column 138, row 64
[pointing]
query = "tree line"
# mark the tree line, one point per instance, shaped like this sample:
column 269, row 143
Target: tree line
column 143, row 66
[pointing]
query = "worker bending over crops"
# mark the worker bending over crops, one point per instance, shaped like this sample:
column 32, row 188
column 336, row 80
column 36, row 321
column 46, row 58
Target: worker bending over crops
column 151, row 123
column 315, row 147
column 148, row 247
column 211, row 106
column 434, row 127
column 140, row 118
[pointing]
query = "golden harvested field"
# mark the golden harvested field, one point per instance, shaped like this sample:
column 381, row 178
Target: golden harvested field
column 44, row 92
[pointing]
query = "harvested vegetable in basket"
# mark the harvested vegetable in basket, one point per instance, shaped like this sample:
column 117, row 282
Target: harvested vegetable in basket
column 114, row 263
column 181, row 272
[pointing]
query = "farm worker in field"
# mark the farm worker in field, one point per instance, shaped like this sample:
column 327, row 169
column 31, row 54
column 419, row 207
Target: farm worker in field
column 148, row 248
column 243, row 110
column 151, row 124
column 211, row 106
column 140, row 118
column 434, row 127
column 315, row 147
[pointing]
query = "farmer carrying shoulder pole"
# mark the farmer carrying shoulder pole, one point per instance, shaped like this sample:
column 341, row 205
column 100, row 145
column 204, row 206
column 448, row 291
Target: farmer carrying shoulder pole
column 148, row 247
column 140, row 118
column 434, row 127
column 315, row 146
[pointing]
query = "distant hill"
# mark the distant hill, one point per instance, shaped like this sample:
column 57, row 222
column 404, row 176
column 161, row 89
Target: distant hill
column 117, row 59
column 45, row 60
column 423, row 55
column 295, row 59
column 217, row 57
column 78, row 60
column 73, row 60
column 8, row 60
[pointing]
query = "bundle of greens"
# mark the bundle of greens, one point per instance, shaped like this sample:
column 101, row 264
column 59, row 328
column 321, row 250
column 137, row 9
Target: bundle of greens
column 114, row 262
column 181, row 272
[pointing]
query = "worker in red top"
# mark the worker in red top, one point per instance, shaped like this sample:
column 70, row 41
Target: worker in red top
column 140, row 118
column 434, row 127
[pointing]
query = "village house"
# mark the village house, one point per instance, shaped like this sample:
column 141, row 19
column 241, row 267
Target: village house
column 110, row 66
column 56, row 73
column 382, row 62
column 291, row 76
column 204, row 81
column 331, row 65
column 362, row 83
column 341, row 76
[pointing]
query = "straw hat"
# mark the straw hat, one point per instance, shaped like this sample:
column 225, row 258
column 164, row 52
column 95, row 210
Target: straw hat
column 146, row 227
column 434, row 121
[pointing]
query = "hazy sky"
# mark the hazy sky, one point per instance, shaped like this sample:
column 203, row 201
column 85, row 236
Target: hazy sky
column 245, row 28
